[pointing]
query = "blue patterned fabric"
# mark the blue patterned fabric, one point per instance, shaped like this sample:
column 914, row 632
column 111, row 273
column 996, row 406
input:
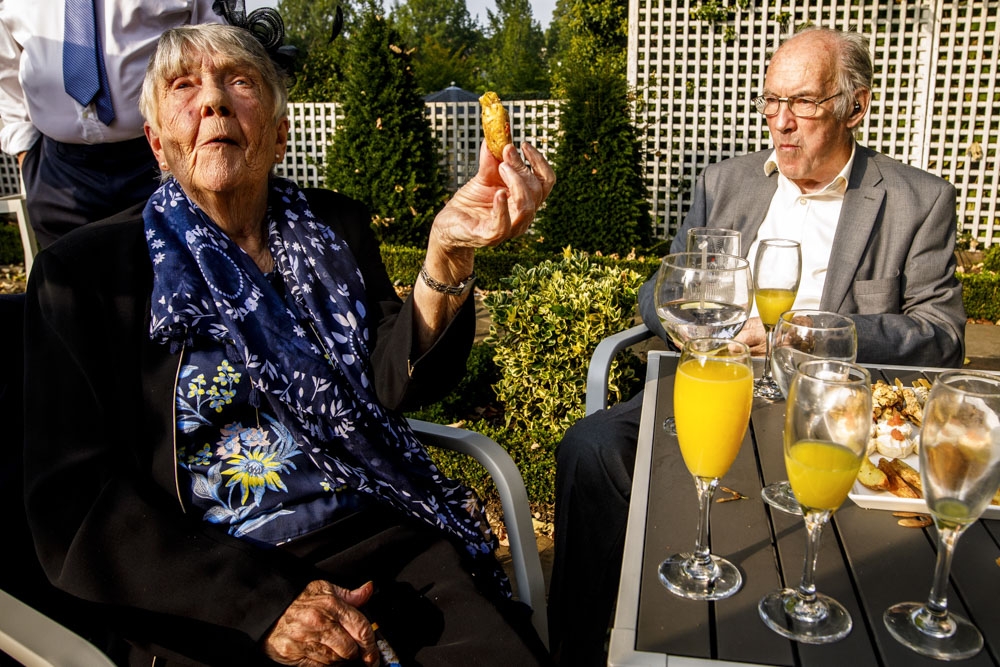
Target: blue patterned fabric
column 308, row 358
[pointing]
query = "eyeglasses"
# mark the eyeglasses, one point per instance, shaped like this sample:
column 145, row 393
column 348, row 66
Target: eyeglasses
column 799, row 106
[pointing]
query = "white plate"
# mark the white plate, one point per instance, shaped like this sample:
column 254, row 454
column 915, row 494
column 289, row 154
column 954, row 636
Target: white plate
column 883, row 500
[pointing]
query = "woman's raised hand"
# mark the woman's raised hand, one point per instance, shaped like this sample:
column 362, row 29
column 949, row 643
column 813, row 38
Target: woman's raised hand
column 323, row 626
column 499, row 202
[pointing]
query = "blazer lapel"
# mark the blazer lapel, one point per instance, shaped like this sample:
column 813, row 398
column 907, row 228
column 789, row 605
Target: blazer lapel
column 862, row 204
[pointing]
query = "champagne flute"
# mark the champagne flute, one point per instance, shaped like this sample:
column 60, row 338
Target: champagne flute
column 711, row 372
column 827, row 421
column 960, row 472
column 802, row 335
column 717, row 241
column 777, row 269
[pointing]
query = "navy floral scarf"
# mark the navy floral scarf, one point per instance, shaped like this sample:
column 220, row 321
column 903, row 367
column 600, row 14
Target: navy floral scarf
column 206, row 286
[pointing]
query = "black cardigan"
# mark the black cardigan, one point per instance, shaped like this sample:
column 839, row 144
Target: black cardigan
column 100, row 468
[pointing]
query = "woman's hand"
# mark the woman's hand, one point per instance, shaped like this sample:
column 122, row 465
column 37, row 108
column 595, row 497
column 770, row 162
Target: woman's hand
column 498, row 204
column 323, row 626
column 754, row 336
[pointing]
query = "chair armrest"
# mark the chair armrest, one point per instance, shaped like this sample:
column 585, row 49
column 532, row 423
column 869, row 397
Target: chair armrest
column 34, row 639
column 599, row 369
column 516, row 512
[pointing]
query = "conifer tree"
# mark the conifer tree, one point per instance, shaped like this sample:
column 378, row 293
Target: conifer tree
column 515, row 64
column 384, row 153
column 599, row 203
column 318, row 67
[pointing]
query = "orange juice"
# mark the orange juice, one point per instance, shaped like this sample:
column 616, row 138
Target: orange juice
column 711, row 407
column 821, row 473
column 771, row 303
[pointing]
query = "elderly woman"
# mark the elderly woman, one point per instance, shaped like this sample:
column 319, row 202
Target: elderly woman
column 214, row 457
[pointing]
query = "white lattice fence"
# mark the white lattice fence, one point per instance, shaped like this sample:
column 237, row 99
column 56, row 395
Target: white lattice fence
column 936, row 105
column 456, row 125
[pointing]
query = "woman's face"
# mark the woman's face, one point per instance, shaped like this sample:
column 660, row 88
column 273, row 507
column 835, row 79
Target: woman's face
column 217, row 132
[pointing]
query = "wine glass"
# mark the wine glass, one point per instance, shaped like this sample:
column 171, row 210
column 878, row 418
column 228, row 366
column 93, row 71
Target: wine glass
column 717, row 241
column 702, row 297
column 777, row 269
column 712, row 372
column 710, row 241
column 960, row 472
column 802, row 335
column 827, row 421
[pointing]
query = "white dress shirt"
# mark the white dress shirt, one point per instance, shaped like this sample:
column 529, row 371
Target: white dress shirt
column 32, row 98
column 811, row 219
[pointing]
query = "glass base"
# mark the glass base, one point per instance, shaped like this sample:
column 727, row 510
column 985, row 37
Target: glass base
column 957, row 640
column 670, row 426
column 683, row 576
column 766, row 387
column 822, row 622
column 779, row 496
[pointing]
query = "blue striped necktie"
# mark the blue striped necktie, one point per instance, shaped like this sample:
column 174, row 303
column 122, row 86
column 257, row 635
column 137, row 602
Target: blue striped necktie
column 84, row 76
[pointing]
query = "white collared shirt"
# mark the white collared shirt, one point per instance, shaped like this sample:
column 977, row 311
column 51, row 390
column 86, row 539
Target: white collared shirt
column 32, row 97
column 811, row 219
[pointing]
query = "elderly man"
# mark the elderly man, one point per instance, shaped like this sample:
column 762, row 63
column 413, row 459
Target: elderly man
column 877, row 242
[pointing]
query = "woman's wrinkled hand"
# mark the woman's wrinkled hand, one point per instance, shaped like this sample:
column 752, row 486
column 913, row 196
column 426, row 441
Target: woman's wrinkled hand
column 754, row 336
column 323, row 626
column 499, row 202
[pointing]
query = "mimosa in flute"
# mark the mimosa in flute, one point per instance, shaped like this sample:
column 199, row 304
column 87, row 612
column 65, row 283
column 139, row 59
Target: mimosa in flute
column 712, row 372
column 777, row 269
column 827, row 421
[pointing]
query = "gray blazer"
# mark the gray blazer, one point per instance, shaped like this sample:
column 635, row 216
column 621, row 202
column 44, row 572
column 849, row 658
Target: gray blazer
column 892, row 265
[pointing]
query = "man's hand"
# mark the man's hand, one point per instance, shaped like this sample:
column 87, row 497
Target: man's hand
column 753, row 335
column 323, row 626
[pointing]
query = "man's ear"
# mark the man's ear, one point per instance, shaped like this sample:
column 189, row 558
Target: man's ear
column 862, row 99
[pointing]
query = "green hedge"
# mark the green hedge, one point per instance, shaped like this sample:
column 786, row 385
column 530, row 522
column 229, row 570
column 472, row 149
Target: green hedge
column 493, row 266
column 11, row 251
column 981, row 295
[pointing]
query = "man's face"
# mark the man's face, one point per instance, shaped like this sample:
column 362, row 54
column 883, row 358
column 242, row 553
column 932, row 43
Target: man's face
column 811, row 151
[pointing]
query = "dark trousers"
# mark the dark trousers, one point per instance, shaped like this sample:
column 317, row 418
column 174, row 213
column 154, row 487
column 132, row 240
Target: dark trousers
column 69, row 185
column 428, row 604
column 594, row 463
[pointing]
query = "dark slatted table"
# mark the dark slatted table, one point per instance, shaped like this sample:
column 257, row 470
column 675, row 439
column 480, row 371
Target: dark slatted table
column 867, row 561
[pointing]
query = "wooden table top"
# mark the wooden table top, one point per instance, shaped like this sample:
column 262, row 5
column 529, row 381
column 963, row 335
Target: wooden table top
column 866, row 561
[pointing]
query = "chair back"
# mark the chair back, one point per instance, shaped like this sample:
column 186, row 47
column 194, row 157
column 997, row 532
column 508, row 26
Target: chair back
column 15, row 204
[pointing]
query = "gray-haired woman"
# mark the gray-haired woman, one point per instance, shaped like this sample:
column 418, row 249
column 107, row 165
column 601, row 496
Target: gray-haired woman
column 228, row 479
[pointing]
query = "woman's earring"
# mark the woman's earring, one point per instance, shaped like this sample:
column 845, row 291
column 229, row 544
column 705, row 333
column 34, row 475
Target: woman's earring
column 164, row 166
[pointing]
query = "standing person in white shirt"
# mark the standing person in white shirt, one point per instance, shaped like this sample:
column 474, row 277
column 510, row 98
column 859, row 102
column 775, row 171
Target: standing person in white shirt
column 81, row 162
column 878, row 241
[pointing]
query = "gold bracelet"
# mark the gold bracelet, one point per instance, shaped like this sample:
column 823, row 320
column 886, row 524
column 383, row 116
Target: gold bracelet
column 460, row 289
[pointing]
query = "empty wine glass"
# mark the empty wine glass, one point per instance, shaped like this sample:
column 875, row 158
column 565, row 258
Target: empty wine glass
column 827, row 421
column 803, row 335
column 701, row 297
column 713, row 393
column 710, row 241
column 716, row 241
column 777, row 269
column 960, row 472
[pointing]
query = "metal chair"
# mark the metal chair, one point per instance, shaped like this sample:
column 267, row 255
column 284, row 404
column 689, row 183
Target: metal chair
column 516, row 511
column 15, row 204
column 599, row 370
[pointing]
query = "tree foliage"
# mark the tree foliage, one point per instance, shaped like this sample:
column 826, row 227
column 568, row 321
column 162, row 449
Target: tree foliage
column 318, row 69
column 600, row 201
column 446, row 40
column 515, row 48
column 384, row 154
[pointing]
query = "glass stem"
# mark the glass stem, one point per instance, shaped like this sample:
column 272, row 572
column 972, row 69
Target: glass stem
column 814, row 529
column 933, row 617
column 766, row 373
column 701, row 565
